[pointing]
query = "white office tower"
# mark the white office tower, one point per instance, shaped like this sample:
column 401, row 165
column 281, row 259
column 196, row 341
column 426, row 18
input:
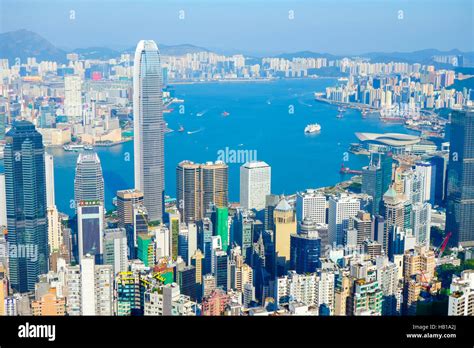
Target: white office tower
column 88, row 303
column 341, row 208
column 49, row 170
column 387, row 277
column 255, row 184
column 421, row 223
column 73, row 98
column 325, row 290
column 88, row 181
column 461, row 298
column 115, row 249
column 149, row 127
column 425, row 169
column 312, row 204
column 3, row 201
column 89, row 288
column 163, row 241
column 413, row 183
column 192, row 241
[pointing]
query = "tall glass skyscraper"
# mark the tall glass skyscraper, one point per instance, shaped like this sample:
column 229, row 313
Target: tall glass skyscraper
column 89, row 181
column 26, row 205
column 149, row 127
column 376, row 178
column 460, row 197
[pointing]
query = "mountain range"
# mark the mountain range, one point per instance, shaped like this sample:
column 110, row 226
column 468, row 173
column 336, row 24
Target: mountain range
column 24, row 43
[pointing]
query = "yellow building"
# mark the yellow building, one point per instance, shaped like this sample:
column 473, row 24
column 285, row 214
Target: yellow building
column 285, row 225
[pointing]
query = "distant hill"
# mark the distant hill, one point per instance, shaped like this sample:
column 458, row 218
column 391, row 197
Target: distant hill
column 174, row 50
column 24, row 43
column 306, row 54
column 421, row 56
column 97, row 53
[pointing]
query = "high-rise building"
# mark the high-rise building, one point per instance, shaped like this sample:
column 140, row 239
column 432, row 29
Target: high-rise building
column 25, row 185
column 255, row 184
column 363, row 224
column 395, row 209
column 88, row 181
column 421, row 223
column 49, row 304
column 49, row 170
column 285, row 225
column 199, row 186
column 341, row 208
column 305, row 248
column 90, row 227
column 149, row 127
column 460, row 196
column 376, row 178
column 428, row 174
column 271, row 202
column 126, row 199
column 115, row 249
column 221, row 269
column 461, row 298
column 221, row 224
column 311, row 204
column 3, row 201
column 73, row 98
column 243, row 232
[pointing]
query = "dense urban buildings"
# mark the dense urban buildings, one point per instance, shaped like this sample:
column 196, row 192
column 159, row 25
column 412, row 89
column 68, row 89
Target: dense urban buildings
column 393, row 237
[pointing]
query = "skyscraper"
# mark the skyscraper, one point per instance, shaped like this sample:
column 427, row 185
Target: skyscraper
column 26, row 204
column 255, row 184
column 88, row 182
column 311, row 204
column 149, row 127
column 126, row 199
column 376, row 178
column 90, row 227
column 341, row 208
column 460, row 197
column 285, row 226
column 198, row 186
column 305, row 248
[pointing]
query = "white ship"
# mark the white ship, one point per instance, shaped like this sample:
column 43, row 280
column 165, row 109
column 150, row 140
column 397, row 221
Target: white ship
column 312, row 128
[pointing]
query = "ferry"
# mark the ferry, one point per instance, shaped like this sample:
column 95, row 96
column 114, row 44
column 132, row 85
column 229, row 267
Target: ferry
column 181, row 128
column 312, row 128
column 225, row 114
column 73, row 147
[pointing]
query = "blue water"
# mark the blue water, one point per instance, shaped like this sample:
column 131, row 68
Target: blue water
column 259, row 120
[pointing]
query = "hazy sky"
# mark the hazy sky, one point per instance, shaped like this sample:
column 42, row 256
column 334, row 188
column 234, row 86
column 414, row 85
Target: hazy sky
column 333, row 26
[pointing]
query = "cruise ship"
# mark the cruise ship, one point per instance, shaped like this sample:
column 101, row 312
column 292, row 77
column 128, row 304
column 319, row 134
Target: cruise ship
column 312, row 128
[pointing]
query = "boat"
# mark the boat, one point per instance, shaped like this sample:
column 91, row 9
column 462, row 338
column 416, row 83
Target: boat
column 225, row 114
column 88, row 147
column 347, row 170
column 73, row 147
column 364, row 113
column 181, row 128
column 340, row 115
column 312, row 128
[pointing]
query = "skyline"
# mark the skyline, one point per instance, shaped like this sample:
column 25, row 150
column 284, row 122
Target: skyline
column 377, row 23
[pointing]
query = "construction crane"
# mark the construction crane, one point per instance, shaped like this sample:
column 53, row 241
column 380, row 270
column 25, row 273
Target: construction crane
column 443, row 245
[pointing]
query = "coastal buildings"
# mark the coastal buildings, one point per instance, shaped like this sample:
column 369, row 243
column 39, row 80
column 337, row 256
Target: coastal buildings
column 255, row 184
column 149, row 128
column 25, row 185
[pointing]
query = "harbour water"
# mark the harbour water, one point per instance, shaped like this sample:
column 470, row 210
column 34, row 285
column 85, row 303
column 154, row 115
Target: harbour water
column 265, row 121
